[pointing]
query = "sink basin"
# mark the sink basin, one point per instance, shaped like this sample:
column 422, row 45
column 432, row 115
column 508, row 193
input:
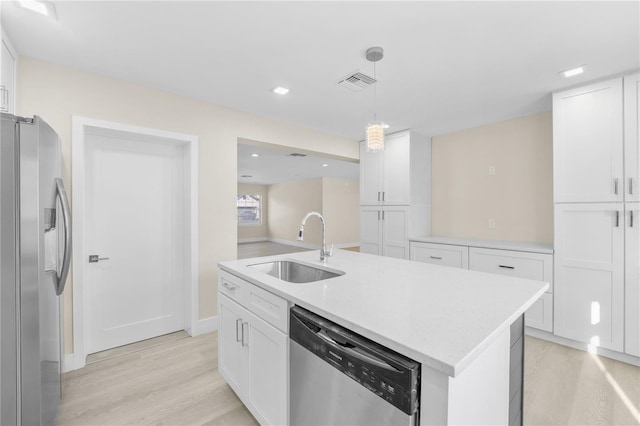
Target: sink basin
column 294, row 272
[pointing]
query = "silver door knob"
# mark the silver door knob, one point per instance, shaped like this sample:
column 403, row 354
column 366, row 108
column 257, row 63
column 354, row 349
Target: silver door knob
column 94, row 258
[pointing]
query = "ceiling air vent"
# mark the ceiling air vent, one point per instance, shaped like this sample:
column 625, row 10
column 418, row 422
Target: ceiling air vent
column 295, row 154
column 357, row 81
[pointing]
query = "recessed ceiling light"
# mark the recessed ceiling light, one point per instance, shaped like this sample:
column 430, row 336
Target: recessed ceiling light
column 42, row 7
column 325, row 165
column 280, row 90
column 572, row 72
column 385, row 126
column 255, row 155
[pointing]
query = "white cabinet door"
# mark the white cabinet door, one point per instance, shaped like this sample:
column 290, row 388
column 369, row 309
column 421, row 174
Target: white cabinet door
column 587, row 143
column 370, row 176
column 395, row 232
column 396, row 173
column 631, row 142
column 232, row 355
column 440, row 254
column 589, row 281
column 632, row 280
column 269, row 373
column 540, row 314
column 371, row 230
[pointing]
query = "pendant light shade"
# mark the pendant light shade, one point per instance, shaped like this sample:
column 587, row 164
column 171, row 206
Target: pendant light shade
column 375, row 129
column 375, row 136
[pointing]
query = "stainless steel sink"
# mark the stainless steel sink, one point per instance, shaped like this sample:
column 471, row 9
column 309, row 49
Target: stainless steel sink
column 295, row 272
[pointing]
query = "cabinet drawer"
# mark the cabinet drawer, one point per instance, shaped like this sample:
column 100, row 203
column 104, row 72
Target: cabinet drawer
column 440, row 254
column 534, row 266
column 233, row 287
column 271, row 308
column 540, row 314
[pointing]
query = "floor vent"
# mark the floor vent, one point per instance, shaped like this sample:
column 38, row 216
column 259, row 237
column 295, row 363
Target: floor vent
column 357, row 81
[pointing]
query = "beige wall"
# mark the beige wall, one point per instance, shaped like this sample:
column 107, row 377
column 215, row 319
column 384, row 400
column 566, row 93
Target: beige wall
column 252, row 232
column 288, row 203
column 338, row 200
column 520, row 194
column 57, row 93
column 341, row 210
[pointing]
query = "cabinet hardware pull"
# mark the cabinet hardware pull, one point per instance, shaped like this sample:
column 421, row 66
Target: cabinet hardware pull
column 506, row 267
column 630, row 186
column 617, row 219
column 382, row 214
column 243, row 341
column 631, row 219
column 228, row 287
column 436, row 257
column 238, row 321
column 4, row 98
column 382, row 196
column 615, row 185
column 378, row 195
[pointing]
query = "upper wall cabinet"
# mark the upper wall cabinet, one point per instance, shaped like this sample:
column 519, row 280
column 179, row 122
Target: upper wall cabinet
column 8, row 59
column 587, row 143
column 631, row 145
column 398, row 176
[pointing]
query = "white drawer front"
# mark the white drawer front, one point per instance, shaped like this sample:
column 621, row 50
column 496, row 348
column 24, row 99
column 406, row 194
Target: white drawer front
column 440, row 254
column 534, row 266
column 233, row 287
column 540, row 314
column 269, row 307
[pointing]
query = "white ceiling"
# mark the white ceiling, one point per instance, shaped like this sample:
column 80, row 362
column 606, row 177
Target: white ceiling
column 276, row 165
column 447, row 65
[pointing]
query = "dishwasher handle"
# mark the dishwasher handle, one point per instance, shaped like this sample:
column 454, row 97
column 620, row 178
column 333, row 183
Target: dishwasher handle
column 352, row 350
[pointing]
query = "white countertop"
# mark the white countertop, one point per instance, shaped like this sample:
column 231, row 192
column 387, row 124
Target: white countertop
column 442, row 317
column 491, row 244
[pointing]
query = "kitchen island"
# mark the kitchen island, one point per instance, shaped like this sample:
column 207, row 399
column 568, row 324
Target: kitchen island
column 456, row 323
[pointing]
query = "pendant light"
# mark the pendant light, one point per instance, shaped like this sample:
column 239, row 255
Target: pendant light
column 375, row 129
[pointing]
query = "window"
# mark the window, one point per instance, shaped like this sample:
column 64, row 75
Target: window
column 249, row 209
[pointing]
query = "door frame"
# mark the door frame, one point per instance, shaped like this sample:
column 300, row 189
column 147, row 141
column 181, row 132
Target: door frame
column 81, row 126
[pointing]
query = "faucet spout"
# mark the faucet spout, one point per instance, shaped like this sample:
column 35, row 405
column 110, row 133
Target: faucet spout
column 324, row 253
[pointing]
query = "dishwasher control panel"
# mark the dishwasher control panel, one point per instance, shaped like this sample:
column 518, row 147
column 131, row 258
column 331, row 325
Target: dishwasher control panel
column 393, row 377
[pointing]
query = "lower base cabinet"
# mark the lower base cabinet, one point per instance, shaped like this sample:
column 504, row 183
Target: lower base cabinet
column 252, row 357
column 516, row 263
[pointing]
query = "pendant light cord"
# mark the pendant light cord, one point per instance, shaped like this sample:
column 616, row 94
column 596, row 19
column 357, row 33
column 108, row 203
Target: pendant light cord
column 375, row 94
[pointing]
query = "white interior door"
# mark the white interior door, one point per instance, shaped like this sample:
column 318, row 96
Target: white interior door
column 135, row 200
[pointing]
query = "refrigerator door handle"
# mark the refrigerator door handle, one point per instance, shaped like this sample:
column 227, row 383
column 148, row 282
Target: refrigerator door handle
column 66, row 217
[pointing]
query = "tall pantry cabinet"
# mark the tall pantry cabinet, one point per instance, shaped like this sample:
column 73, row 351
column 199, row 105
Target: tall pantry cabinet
column 596, row 162
column 395, row 194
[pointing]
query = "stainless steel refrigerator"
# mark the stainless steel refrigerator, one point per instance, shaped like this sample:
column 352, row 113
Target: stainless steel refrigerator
column 35, row 250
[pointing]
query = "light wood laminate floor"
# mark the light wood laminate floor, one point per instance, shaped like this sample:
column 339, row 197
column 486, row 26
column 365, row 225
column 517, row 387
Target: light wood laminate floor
column 174, row 380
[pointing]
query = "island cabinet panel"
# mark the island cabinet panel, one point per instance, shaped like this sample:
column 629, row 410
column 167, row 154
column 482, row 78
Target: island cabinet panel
column 252, row 352
column 632, row 280
column 589, row 273
column 588, row 143
column 440, row 254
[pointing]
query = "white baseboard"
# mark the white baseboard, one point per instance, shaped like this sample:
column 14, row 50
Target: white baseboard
column 607, row 353
column 69, row 363
column 252, row 240
column 206, row 325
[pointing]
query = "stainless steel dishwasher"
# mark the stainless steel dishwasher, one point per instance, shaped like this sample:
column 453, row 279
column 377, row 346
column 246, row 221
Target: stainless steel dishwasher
column 338, row 377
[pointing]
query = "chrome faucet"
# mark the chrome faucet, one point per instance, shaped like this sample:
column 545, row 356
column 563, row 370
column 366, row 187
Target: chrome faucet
column 324, row 253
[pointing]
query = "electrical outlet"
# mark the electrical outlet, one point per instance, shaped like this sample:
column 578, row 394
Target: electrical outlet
column 492, row 170
column 492, row 224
